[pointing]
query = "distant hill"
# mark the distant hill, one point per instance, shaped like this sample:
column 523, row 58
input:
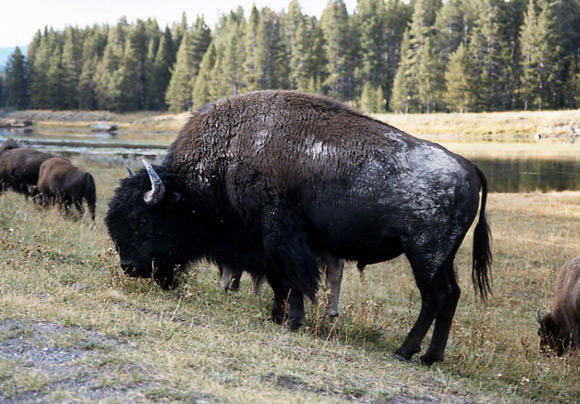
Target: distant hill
column 6, row 52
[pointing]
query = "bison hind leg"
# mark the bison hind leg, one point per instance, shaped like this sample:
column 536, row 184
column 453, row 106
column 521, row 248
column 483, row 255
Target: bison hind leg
column 439, row 295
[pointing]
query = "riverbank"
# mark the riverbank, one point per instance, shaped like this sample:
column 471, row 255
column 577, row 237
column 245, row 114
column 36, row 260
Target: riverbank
column 493, row 126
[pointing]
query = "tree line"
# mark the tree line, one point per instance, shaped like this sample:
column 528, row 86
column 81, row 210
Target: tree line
column 417, row 56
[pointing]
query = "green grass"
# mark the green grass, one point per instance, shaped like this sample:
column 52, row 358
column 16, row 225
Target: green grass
column 199, row 344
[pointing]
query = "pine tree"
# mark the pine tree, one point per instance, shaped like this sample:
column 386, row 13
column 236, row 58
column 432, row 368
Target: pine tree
column 420, row 90
column 106, row 92
column 95, row 40
column 72, row 66
column 179, row 30
column 339, row 49
column 401, row 93
column 39, row 97
column 201, row 90
column 460, row 95
column 451, row 27
column 398, row 16
column 295, row 37
column 201, row 40
column 16, row 80
column 251, row 44
column 56, row 78
column 178, row 96
column 157, row 79
column 490, row 54
column 540, row 58
column 193, row 45
column 370, row 21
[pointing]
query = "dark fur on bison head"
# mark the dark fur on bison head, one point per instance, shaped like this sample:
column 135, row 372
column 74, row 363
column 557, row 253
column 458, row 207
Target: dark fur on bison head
column 145, row 227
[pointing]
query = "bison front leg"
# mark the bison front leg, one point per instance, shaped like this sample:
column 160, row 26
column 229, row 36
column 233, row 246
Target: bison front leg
column 294, row 270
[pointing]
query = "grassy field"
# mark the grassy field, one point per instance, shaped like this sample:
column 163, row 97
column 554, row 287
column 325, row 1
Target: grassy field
column 73, row 328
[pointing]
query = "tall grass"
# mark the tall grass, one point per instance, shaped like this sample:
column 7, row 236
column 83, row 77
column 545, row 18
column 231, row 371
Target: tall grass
column 197, row 343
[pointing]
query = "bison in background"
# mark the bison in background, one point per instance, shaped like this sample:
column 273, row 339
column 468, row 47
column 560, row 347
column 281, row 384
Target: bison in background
column 9, row 144
column 19, row 167
column 270, row 179
column 63, row 184
column 560, row 328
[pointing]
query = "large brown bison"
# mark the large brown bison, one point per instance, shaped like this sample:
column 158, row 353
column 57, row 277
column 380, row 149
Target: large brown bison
column 19, row 167
column 268, row 180
column 560, row 328
column 62, row 183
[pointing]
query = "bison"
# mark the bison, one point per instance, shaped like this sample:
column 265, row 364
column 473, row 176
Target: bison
column 560, row 328
column 19, row 167
column 270, row 179
column 9, row 144
column 62, row 183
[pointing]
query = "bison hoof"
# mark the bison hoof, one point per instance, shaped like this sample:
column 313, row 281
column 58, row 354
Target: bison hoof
column 295, row 323
column 278, row 318
column 400, row 358
column 428, row 360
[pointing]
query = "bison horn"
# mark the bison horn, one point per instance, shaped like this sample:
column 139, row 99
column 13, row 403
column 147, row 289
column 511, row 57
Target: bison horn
column 131, row 173
column 157, row 192
column 538, row 318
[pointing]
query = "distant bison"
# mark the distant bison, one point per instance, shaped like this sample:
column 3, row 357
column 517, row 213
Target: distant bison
column 62, row 183
column 9, row 144
column 19, row 167
column 269, row 179
column 560, row 328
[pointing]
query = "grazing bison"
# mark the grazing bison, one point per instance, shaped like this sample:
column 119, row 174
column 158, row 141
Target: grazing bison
column 560, row 328
column 62, row 183
column 19, row 167
column 9, row 144
column 270, row 179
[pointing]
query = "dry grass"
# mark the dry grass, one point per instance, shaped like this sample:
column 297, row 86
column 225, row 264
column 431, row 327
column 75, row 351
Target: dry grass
column 134, row 342
column 501, row 126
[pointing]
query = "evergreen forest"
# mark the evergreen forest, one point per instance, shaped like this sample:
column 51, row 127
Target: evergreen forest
column 415, row 56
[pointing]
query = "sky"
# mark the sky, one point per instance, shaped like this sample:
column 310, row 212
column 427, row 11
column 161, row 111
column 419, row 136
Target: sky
column 20, row 19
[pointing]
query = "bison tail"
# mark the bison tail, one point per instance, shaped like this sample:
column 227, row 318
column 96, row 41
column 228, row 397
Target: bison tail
column 90, row 194
column 482, row 255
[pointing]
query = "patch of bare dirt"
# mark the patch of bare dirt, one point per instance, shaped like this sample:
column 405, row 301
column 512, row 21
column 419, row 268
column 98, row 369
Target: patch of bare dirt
column 76, row 368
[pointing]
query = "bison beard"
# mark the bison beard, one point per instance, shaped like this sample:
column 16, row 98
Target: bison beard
column 272, row 179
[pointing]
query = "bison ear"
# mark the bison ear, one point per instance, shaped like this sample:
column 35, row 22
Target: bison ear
column 155, row 195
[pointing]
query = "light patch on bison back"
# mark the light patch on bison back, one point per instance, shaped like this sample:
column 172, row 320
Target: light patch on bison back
column 435, row 188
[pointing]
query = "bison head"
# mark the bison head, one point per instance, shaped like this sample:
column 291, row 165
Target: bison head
column 553, row 338
column 146, row 222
